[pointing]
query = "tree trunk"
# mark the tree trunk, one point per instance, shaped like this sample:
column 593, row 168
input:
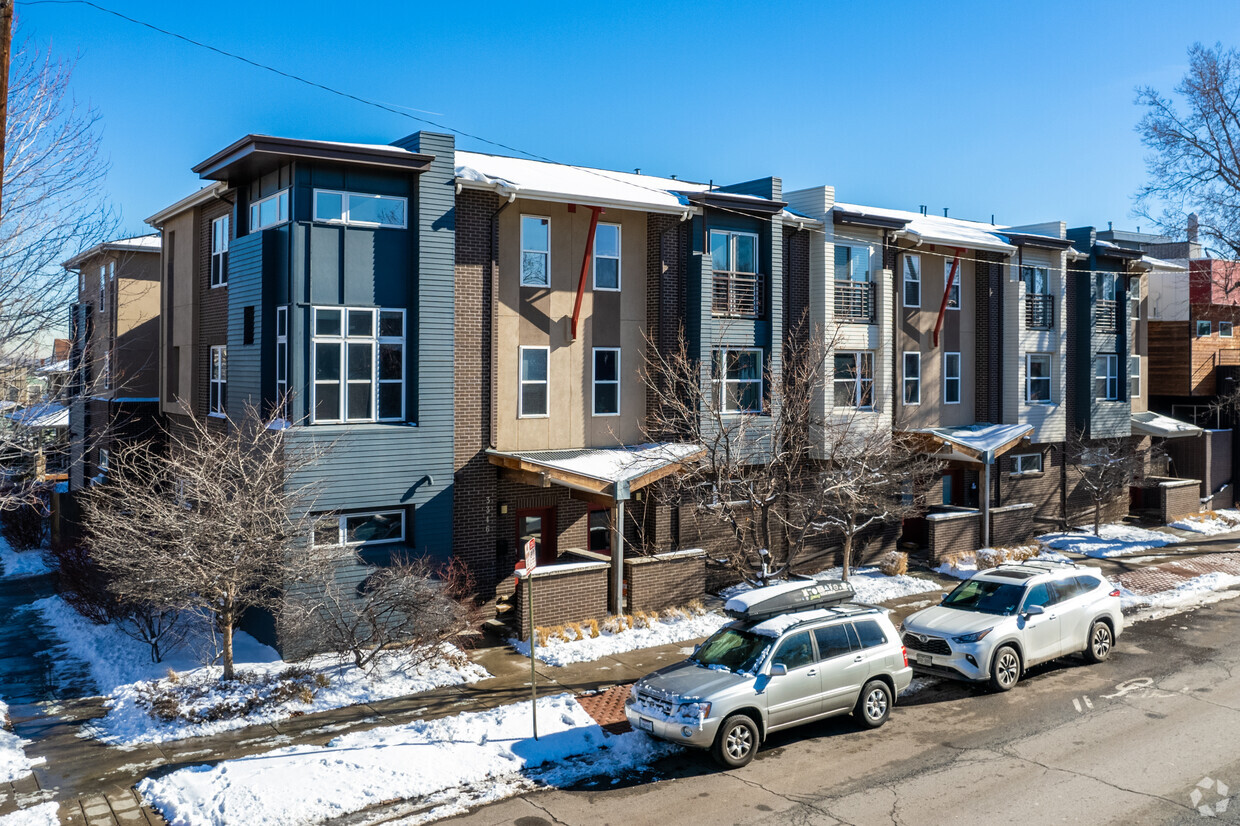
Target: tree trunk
column 226, row 629
column 848, row 543
column 1097, row 519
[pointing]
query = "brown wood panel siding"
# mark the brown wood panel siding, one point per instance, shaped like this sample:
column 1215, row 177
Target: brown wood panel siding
column 1169, row 361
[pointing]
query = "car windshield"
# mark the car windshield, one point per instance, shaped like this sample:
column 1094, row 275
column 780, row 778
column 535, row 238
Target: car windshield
column 987, row 597
column 733, row 649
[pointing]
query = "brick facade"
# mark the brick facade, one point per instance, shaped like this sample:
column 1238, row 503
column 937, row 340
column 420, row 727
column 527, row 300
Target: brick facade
column 952, row 533
column 1178, row 498
column 657, row 582
column 575, row 595
column 1012, row 524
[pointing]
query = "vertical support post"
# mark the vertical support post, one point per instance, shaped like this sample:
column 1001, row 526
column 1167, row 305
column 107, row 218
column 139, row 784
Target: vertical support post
column 985, row 505
column 617, row 557
column 529, row 599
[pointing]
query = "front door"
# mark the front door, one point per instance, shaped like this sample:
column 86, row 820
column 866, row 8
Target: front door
column 953, row 487
column 537, row 524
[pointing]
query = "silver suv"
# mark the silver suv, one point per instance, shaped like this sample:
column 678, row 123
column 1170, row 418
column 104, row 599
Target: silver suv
column 770, row 671
column 1001, row 621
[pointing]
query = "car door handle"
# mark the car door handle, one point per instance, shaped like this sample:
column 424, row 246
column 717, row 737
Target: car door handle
column 813, row 672
column 858, row 658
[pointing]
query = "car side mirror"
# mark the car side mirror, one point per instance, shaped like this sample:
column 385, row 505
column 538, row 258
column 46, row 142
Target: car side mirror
column 779, row 670
column 943, row 596
column 1034, row 611
column 697, row 648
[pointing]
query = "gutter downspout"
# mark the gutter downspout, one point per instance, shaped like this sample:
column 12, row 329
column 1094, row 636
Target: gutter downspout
column 585, row 268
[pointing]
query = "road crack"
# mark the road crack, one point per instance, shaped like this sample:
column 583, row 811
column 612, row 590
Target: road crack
column 1010, row 753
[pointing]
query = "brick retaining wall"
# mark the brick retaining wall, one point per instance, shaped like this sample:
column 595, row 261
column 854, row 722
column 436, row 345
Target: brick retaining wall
column 564, row 593
column 1012, row 524
column 657, row 582
column 1179, row 498
column 953, row 532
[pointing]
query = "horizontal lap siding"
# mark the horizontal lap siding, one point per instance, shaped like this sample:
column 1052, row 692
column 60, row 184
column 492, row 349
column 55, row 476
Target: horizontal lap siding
column 245, row 289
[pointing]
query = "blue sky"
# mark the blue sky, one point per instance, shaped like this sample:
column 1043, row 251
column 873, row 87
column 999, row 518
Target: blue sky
column 1024, row 111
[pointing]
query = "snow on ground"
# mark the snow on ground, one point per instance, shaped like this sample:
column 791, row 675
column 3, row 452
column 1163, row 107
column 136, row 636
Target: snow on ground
column 869, row 584
column 1200, row 590
column 557, row 652
column 1115, row 540
column 13, row 761
column 45, row 814
column 449, row 764
column 1210, row 524
column 965, row 565
column 122, row 668
column 20, row 564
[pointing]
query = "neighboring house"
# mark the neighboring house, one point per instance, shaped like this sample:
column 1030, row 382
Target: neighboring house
column 314, row 282
column 114, row 329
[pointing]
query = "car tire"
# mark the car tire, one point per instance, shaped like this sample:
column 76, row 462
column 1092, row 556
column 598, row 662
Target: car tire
column 1101, row 641
column 1005, row 669
column 737, row 741
column 874, row 704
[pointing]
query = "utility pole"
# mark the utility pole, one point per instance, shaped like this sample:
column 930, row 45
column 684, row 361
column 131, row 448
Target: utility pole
column 6, row 44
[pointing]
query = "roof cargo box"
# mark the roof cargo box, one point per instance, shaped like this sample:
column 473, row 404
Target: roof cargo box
column 788, row 598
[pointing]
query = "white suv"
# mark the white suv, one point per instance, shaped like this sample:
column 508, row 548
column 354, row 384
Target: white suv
column 1001, row 621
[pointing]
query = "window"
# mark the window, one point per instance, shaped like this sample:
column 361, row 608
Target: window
column 606, row 381
column 359, row 208
column 269, row 211
column 103, row 289
column 953, row 294
column 535, row 251
column 1134, row 289
column 951, row 378
column 1107, row 286
column 598, row 523
column 796, row 651
column 1203, row 329
column 247, row 324
column 737, row 378
column 107, row 370
column 737, row 289
column 281, row 354
column 1027, row 463
column 219, row 251
column 1224, row 329
column 870, row 634
column 1042, row 594
column 1106, row 376
column 607, row 257
column 854, row 379
column 103, row 460
column 1134, row 381
column 912, row 281
column 219, row 380
column 852, row 263
column 733, row 252
column 1037, row 280
column 358, row 364
column 912, row 378
column 373, row 528
column 832, row 641
column 1038, row 378
column 534, row 385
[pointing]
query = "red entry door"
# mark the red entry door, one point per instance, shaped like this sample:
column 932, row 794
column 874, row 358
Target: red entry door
column 537, row 524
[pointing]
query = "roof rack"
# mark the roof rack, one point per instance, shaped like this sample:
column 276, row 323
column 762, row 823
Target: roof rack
column 1044, row 564
column 788, row 598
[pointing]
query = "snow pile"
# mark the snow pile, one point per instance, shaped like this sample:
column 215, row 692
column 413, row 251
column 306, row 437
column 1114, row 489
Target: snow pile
column 13, row 761
column 45, row 814
column 1115, row 540
column 870, row 585
column 1210, row 524
column 122, row 670
column 20, row 564
column 1200, row 590
column 446, row 764
column 667, row 629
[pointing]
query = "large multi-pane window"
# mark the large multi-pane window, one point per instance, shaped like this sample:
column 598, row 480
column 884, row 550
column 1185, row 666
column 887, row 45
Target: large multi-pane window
column 359, row 209
column 373, row 528
column 269, row 211
column 1106, row 376
column 951, row 378
column 535, row 385
column 219, row 380
column 736, row 375
column 607, row 257
column 912, row 377
column 219, row 251
column 852, row 263
column 912, row 281
column 281, row 354
column 854, row 379
column 535, row 251
column 359, row 364
column 606, row 381
column 1038, row 378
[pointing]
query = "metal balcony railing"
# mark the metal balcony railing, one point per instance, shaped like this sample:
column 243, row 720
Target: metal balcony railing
column 1106, row 315
column 1040, row 311
column 738, row 295
column 854, row 302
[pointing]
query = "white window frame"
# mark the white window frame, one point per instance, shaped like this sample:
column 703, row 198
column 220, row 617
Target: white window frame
column 955, row 289
column 720, row 382
column 345, row 218
column 218, row 381
column 107, row 369
column 1107, row 282
column 281, row 354
column 220, row 253
column 1106, row 370
column 1224, row 325
column 1049, row 378
column 908, row 380
column 617, row 258
column 906, row 281
column 1209, row 328
column 595, row 381
column 948, row 378
column 1134, row 379
column 1028, row 273
column 103, row 288
column 546, row 282
column 859, row 383
column 853, row 258
column 282, row 212
column 522, row 382
column 1019, row 462
column 375, row 339
column 104, row 457
column 342, row 533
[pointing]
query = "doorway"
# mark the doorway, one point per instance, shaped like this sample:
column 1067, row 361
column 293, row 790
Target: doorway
column 537, row 524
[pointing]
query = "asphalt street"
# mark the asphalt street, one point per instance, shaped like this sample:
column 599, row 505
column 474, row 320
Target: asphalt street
column 1147, row 737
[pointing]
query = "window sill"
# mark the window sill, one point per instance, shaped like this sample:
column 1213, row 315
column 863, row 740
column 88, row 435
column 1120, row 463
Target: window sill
column 606, row 289
column 536, row 286
column 533, row 416
column 605, row 415
column 1028, row 474
column 214, row 415
column 217, row 286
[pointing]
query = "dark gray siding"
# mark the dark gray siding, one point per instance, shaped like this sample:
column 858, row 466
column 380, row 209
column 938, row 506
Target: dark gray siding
column 245, row 289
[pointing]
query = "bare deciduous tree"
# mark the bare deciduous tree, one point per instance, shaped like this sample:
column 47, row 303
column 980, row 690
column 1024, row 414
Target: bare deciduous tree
column 1106, row 468
column 207, row 525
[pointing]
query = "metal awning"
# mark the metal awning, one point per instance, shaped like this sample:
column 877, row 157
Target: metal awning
column 979, row 442
column 608, row 472
column 1164, row 427
column 46, row 415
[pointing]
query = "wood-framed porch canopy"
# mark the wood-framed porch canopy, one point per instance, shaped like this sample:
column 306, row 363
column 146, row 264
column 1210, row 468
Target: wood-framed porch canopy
column 978, row 443
column 604, row 475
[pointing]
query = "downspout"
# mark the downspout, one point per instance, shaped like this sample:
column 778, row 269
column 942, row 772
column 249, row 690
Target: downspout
column 621, row 493
column 988, row 460
column 947, row 288
column 585, row 268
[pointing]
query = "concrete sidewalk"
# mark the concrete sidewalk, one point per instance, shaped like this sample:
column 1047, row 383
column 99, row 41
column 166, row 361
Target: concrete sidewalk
column 94, row 782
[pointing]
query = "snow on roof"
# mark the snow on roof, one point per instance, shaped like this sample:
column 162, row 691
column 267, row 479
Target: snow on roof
column 939, row 230
column 980, row 437
column 613, row 464
column 137, row 243
column 1155, row 424
column 554, row 181
column 45, row 415
column 5, row 404
column 1163, row 264
column 61, row 366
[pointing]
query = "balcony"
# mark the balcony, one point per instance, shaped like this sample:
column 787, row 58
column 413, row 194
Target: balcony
column 1040, row 311
column 1106, row 316
column 738, row 295
column 854, row 302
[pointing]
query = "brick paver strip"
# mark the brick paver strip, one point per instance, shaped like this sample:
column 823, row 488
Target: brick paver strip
column 1152, row 580
column 1226, row 563
column 607, row 708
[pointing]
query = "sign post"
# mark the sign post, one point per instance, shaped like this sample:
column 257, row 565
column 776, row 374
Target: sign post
column 531, row 561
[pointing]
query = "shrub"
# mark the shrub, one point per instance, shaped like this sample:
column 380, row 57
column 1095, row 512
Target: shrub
column 592, row 626
column 201, row 699
column 894, row 564
column 24, row 525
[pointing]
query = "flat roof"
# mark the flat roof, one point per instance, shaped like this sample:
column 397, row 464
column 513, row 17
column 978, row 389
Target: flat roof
column 254, row 154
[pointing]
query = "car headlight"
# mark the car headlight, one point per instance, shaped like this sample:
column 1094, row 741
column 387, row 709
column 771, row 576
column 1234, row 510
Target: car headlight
column 694, row 711
column 976, row 636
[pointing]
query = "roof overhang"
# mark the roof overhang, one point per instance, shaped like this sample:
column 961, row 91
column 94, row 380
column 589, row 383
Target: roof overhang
column 733, row 201
column 513, row 191
column 1112, row 251
column 109, row 246
column 613, row 474
column 1163, row 427
column 42, row 417
column 1045, row 242
column 208, row 193
column 255, row 154
column 861, row 219
column 979, row 443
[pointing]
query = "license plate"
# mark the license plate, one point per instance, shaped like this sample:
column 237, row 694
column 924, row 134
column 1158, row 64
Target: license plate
column 644, row 724
column 923, row 659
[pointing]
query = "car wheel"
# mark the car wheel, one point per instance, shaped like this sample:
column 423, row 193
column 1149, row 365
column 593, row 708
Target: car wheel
column 874, row 704
column 1101, row 640
column 737, row 741
column 1004, row 669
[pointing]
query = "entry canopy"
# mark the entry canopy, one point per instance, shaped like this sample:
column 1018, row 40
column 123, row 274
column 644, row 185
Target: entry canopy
column 1164, row 427
column 610, row 472
column 40, row 416
column 978, row 442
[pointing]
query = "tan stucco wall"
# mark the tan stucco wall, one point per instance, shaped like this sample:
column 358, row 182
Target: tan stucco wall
column 183, row 331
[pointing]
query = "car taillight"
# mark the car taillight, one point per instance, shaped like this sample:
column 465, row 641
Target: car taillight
column 1115, row 593
column 904, row 652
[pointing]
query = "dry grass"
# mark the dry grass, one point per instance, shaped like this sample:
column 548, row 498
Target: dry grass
column 894, row 564
column 993, row 557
